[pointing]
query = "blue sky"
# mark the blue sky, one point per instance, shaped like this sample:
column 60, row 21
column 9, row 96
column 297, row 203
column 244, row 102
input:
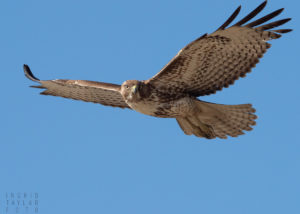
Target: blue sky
column 86, row 158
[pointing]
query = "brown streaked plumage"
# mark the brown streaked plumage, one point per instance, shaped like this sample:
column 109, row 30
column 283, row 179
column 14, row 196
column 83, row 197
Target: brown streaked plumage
column 203, row 67
column 89, row 91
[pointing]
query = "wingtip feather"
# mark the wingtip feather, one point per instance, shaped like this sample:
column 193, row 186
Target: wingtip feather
column 230, row 19
column 282, row 30
column 265, row 18
column 29, row 74
column 273, row 24
column 252, row 14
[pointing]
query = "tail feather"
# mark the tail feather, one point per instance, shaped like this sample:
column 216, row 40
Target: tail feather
column 215, row 120
column 220, row 132
column 185, row 125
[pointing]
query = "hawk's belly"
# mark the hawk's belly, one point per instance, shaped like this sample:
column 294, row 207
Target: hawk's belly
column 175, row 108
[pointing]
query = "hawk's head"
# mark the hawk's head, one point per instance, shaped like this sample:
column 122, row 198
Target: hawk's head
column 131, row 89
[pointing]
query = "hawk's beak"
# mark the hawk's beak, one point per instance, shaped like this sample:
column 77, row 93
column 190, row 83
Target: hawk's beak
column 134, row 89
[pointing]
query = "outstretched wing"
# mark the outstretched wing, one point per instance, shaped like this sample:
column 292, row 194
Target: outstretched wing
column 215, row 61
column 89, row 91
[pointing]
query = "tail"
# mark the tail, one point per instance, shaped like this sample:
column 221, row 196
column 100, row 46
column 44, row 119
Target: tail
column 211, row 120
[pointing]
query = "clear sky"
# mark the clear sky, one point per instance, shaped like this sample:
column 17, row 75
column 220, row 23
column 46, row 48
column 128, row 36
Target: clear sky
column 86, row 158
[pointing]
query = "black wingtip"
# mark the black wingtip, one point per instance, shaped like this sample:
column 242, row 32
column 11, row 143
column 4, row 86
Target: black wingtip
column 273, row 24
column 282, row 30
column 252, row 14
column 264, row 3
column 230, row 19
column 29, row 74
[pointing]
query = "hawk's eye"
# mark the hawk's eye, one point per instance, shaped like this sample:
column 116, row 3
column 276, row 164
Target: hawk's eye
column 126, row 86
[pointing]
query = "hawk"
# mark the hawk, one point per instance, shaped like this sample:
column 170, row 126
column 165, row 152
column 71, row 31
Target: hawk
column 203, row 67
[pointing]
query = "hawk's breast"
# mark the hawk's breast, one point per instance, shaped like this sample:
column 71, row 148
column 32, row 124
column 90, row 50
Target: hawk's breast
column 155, row 108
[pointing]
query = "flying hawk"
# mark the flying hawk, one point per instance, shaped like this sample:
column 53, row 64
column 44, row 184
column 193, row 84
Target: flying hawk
column 204, row 66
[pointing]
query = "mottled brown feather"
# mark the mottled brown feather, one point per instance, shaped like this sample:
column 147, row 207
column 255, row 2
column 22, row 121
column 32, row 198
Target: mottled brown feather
column 215, row 61
column 88, row 91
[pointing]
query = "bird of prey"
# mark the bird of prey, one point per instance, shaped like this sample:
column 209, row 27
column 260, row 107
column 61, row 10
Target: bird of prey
column 203, row 67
